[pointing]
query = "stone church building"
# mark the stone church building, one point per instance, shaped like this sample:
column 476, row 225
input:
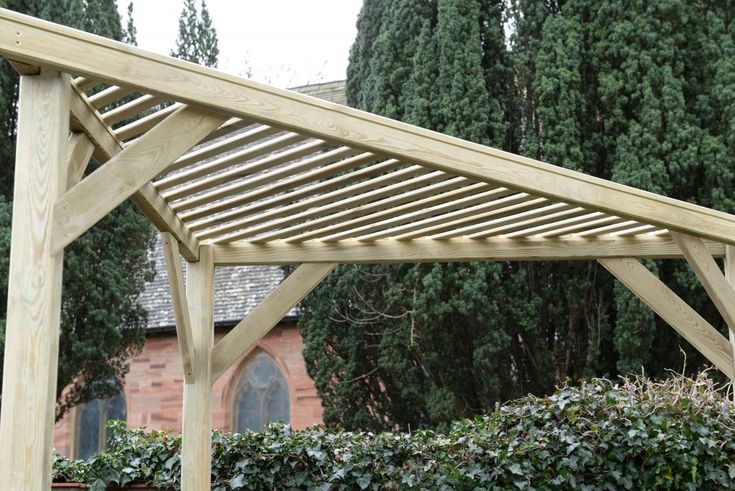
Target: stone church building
column 270, row 383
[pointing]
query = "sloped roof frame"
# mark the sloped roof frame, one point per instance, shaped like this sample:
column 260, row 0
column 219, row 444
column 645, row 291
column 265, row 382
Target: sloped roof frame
column 337, row 186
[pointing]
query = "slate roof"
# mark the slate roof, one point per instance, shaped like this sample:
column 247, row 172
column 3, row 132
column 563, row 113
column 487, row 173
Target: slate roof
column 237, row 289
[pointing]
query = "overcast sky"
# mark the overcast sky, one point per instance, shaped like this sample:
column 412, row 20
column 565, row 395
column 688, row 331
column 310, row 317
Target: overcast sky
column 283, row 42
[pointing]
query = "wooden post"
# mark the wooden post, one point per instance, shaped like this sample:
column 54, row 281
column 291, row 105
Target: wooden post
column 196, row 457
column 34, row 290
column 730, row 277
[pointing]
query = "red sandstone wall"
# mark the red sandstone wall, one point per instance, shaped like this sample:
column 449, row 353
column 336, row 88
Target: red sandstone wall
column 154, row 386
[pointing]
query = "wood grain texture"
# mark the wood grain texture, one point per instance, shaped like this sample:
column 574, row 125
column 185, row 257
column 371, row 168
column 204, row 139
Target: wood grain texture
column 179, row 302
column 672, row 309
column 125, row 173
column 197, row 416
column 34, row 290
column 80, row 150
column 416, row 251
column 710, row 276
column 730, row 277
column 85, row 118
column 262, row 318
column 95, row 57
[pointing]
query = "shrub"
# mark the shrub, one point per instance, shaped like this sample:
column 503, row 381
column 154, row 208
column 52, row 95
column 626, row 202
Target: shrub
column 634, row 434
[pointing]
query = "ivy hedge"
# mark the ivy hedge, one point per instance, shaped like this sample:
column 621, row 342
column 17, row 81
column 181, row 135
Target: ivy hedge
column 631, row 434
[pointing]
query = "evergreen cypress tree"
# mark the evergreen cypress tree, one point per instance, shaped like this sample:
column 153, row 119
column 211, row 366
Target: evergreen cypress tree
column 130, row 36
column 105, row 270
column 197, row 38
column 642, row 93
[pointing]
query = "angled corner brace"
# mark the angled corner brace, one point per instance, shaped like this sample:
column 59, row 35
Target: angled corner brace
column 107, row 187
column 672, row 309
column 179, row 302
column 266, row 315
column 80, row 150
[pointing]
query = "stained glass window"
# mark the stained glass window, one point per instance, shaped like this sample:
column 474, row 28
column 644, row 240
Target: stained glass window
column 92, row 420
column 261, row 396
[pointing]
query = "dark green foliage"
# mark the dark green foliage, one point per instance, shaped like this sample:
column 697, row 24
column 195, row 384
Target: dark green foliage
column 197, row 39
column 601, row 436
column 641, row 93
column 102, row 325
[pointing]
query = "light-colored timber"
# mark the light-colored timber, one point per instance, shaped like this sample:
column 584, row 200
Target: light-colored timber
column 117, row 63
column 147, row 199
column 234, row 172
column 196, row 457
column 675, row 311
column 266, row 315
column 730, row 277
column 427, row 250
column 80, row 150
column 103, row 190
column 710, row 276
column 179, row 302
column 34, row 284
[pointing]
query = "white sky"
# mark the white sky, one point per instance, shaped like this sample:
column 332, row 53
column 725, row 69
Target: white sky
column 286, row 43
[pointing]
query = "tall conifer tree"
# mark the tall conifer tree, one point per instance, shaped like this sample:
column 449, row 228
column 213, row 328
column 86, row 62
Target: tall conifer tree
column 105, row 270
column 197, row 39
column 641, row 93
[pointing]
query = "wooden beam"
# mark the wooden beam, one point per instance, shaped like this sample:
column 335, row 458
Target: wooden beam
column 672, row 309
column 179, row 302
column 710, row 276
column 196, row 453
column 730, row 277
column 34, row 288
column 147, row 198
column 78, row 52
column 125, row 173
column 262, row 318
column 427, row 250
column 80, row 150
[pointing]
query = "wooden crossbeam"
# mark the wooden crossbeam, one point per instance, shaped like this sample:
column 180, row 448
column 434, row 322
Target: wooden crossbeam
column 80, row 150
column 85, row 118
column 710, row 276
column 94, row 197
column 427, row 250
column 179, row 302
column 266, row 315
column 672, row 309
column 130, row 109
column 74, row 51
column 140, row 126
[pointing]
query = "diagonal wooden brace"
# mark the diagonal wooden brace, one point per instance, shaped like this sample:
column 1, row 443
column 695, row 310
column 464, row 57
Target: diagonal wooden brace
column 179, row 302
column 672, row 309
column 107, row 187
column 266, row 315
column 80, row 150
column 710, row 275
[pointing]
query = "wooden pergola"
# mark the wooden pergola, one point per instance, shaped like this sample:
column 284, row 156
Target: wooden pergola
column 233, row 173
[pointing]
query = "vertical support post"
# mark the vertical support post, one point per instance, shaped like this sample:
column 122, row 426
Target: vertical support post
column 730, row 277
column 34, row 289
column 196, row 454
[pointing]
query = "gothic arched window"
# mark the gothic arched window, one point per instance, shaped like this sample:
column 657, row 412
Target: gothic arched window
column 261, row 395
column 92, row 418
